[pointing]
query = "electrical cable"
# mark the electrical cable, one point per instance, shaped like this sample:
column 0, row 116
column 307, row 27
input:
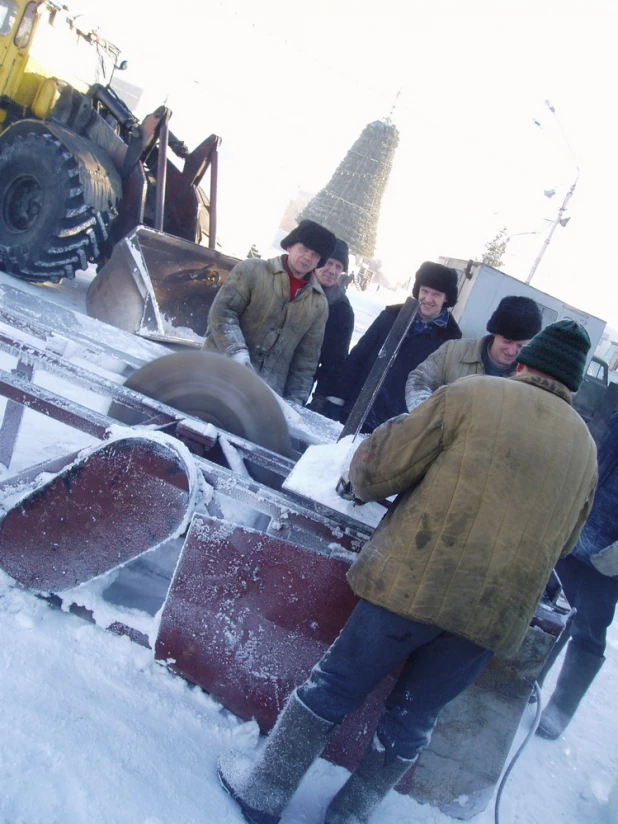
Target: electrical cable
column 507, row 772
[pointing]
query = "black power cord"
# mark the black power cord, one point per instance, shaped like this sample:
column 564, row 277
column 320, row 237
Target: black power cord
column 507, row 772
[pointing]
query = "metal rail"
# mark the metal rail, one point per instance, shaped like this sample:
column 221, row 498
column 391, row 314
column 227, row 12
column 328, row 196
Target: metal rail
column 155, row 414
column 302, row 521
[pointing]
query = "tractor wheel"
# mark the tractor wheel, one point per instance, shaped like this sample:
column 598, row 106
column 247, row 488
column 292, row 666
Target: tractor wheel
column 47, row 230
column 216, row 390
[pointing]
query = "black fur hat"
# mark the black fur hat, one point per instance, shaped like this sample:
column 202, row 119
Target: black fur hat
column 438, row 277
column 340, row 253
column 314, row 237
column 516, row 318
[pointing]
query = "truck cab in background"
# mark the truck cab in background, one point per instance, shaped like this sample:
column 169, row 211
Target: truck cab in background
column 594, row 386
column 481, row 288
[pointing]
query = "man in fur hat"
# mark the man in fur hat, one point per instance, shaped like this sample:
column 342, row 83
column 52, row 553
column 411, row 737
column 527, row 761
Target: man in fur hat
column 513, row 324
column 270, row 314
column 494, row 480
column 435, row 288
column 339, row 326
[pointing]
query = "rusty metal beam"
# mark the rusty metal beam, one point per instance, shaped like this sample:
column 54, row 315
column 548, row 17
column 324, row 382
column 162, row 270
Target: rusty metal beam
column 16, row 388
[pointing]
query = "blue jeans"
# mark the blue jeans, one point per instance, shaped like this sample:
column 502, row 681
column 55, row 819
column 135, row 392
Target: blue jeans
column 594, row 596
column 438, row 666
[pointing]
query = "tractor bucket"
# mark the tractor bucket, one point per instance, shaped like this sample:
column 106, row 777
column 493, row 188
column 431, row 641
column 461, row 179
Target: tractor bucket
column 113, row 503
column 158, row 286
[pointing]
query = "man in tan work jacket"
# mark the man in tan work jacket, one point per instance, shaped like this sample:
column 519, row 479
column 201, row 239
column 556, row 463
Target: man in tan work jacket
column 271, row 314
column 494, row 480
column 515, row 321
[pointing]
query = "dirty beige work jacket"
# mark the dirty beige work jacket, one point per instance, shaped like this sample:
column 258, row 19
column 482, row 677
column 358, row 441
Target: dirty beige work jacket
column 252, row 313
column 495, row 478
column 454, row 359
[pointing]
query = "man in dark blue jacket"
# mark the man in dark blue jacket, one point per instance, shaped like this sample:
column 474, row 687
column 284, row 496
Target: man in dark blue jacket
column 590, row 580
column 435, row 287
column 339, row 326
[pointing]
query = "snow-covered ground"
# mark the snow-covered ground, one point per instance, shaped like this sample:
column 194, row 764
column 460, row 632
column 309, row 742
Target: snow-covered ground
column 94, row 731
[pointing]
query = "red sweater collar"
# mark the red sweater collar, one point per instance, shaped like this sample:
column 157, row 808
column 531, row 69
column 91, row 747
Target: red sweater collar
column 296, row 283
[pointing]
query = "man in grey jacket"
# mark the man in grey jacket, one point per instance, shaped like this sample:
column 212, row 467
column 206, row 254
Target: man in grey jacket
column 515, row 322
column 270, row 314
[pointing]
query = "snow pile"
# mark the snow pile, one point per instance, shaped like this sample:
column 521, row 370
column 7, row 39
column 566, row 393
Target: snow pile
column 95, row 731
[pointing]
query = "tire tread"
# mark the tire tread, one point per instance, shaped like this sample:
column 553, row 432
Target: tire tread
column 80, row 232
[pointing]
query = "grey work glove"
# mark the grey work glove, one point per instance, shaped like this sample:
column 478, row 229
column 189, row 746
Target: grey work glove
column 242, row 356
column 606, row 561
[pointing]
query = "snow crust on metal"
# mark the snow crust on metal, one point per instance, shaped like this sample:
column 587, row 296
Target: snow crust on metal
column 93, row 517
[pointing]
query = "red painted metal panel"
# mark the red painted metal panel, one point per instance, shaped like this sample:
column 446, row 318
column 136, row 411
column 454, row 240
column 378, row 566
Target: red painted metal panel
column 248, row 615
column 111, row 505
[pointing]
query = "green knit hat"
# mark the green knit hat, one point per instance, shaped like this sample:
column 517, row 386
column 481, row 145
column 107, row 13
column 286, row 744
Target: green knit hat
column 560, row 351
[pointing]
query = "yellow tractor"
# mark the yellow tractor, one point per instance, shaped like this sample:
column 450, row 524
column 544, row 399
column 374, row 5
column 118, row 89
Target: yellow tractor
column 79, row 172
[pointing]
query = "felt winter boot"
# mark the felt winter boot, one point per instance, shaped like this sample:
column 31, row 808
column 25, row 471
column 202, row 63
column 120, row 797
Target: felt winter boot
column 578, row 672
column 263, row 787
column 362, row 793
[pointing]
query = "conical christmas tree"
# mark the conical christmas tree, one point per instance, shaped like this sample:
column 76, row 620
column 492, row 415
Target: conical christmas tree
column 350, row 203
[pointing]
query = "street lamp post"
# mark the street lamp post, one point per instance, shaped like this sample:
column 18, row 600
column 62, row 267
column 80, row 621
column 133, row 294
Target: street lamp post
column 559, row 217
column 552, row 229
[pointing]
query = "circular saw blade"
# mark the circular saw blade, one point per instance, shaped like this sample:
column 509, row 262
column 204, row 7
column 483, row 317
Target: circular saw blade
column 216, row 390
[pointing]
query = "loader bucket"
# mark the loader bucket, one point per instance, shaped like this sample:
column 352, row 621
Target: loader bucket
column 111, row 504
column 158, row 286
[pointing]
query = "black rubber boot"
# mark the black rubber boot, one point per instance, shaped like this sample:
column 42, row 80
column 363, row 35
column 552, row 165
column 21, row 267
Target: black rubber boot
column 263, row 787
column 578, row 672
column 362, row 793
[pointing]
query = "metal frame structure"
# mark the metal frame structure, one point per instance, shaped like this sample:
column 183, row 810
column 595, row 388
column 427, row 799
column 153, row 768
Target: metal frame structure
column 259, row 605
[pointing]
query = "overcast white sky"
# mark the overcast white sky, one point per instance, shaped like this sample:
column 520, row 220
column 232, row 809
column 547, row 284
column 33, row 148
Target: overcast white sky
column 289, row 87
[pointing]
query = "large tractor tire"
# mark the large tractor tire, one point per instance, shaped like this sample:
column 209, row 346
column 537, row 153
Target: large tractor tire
column 216, row 390
column 47, row 230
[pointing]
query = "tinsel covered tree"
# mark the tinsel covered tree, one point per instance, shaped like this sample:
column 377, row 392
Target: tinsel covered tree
column 349, row 205
column 495, row 249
